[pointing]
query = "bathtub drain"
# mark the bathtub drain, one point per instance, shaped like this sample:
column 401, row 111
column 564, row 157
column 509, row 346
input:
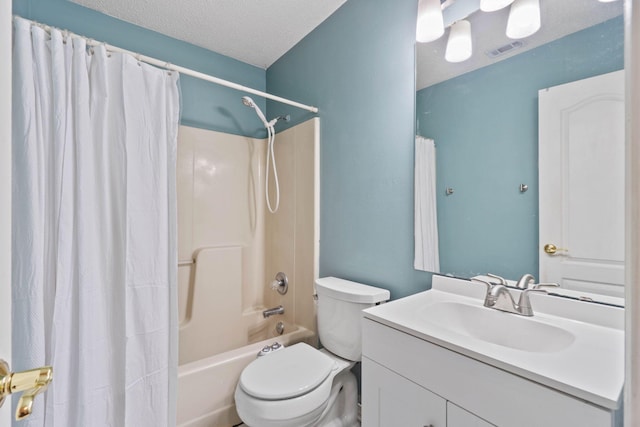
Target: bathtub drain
column 279, row 328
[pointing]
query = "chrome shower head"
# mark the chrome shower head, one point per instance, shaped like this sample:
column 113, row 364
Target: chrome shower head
column 249, row 103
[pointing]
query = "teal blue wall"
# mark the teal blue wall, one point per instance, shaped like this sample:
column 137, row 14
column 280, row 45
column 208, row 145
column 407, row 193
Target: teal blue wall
column 358, row 67
column 204, row 105
column 485, row 124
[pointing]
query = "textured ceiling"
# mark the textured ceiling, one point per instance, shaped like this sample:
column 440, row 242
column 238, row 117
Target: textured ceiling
column 257, row 32
column 559, row 18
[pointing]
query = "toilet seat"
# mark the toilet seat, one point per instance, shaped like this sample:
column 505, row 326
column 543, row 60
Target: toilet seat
column 285, row 374
column 304, row 408
column 295, row 412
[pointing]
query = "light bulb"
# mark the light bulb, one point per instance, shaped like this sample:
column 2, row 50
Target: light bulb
column 524, row 19
column 459, row 45
column 430, row 25
column 493, row 5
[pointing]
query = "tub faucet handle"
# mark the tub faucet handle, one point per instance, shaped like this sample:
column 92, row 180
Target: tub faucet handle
column 281, row 284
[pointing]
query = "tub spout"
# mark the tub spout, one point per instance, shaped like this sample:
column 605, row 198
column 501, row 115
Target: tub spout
column 270, row 312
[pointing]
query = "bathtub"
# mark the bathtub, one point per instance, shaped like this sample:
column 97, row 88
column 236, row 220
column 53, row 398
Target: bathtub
column 206, row 386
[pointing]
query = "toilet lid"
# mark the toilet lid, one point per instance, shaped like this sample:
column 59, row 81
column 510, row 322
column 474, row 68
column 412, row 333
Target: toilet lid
column 287, row 373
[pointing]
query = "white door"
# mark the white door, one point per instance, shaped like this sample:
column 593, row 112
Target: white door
column 5, row 192
column 582, row 184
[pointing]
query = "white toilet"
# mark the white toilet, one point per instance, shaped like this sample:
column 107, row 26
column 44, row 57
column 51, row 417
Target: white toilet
column 301, row 386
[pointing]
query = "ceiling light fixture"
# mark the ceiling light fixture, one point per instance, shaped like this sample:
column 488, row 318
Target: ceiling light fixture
column 459, row 46
column 524, row 19
column 430, row 21
column 493, row 5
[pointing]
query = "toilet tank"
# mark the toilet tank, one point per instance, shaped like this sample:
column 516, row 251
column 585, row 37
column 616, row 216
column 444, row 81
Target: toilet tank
column 340, row 303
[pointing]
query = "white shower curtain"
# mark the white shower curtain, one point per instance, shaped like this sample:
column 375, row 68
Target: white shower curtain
column 426, row 254
column 94, row 231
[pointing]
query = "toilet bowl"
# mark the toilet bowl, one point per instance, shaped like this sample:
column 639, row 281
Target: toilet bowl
column 295, row 387
column 301, row 386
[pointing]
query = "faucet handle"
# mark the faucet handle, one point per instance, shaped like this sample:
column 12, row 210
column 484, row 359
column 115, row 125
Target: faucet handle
column 275, row 284
column 281, row 283
column 501, row 279
column 489, row 285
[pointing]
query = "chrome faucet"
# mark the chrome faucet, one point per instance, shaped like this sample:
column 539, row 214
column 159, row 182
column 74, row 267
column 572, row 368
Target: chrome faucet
column 499, row 297
column 271, row 311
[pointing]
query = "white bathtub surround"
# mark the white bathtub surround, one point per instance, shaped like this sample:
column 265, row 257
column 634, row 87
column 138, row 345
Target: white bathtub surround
column 94, row 272
column 426, row 252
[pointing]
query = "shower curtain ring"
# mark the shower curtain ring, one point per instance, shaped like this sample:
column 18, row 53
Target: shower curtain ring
column 89, row 46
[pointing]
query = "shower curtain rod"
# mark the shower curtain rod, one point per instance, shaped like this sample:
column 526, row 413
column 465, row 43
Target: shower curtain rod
column 179, row 69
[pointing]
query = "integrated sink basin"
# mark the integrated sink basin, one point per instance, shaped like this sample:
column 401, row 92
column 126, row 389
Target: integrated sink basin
column 497, row 327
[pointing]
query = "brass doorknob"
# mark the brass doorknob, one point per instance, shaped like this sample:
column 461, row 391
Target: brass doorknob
column 32, row 382
column 551, row 249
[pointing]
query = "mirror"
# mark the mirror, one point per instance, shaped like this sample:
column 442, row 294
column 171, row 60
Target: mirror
column 483, row 116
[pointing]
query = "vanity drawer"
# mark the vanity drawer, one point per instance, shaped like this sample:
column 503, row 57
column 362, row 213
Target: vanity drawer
column 501, row 398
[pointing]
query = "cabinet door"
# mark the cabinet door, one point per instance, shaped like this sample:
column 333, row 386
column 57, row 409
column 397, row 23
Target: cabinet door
column 458, row 417
column 390, row 400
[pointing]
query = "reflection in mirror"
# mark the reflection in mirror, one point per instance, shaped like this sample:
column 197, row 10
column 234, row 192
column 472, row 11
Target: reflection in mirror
column 483, row 116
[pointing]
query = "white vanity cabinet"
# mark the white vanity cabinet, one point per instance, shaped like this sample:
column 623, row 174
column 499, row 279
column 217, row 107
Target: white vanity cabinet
column 408, row 381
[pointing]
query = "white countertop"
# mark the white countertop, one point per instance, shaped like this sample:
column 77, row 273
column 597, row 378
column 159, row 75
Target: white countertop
column 590, row 368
